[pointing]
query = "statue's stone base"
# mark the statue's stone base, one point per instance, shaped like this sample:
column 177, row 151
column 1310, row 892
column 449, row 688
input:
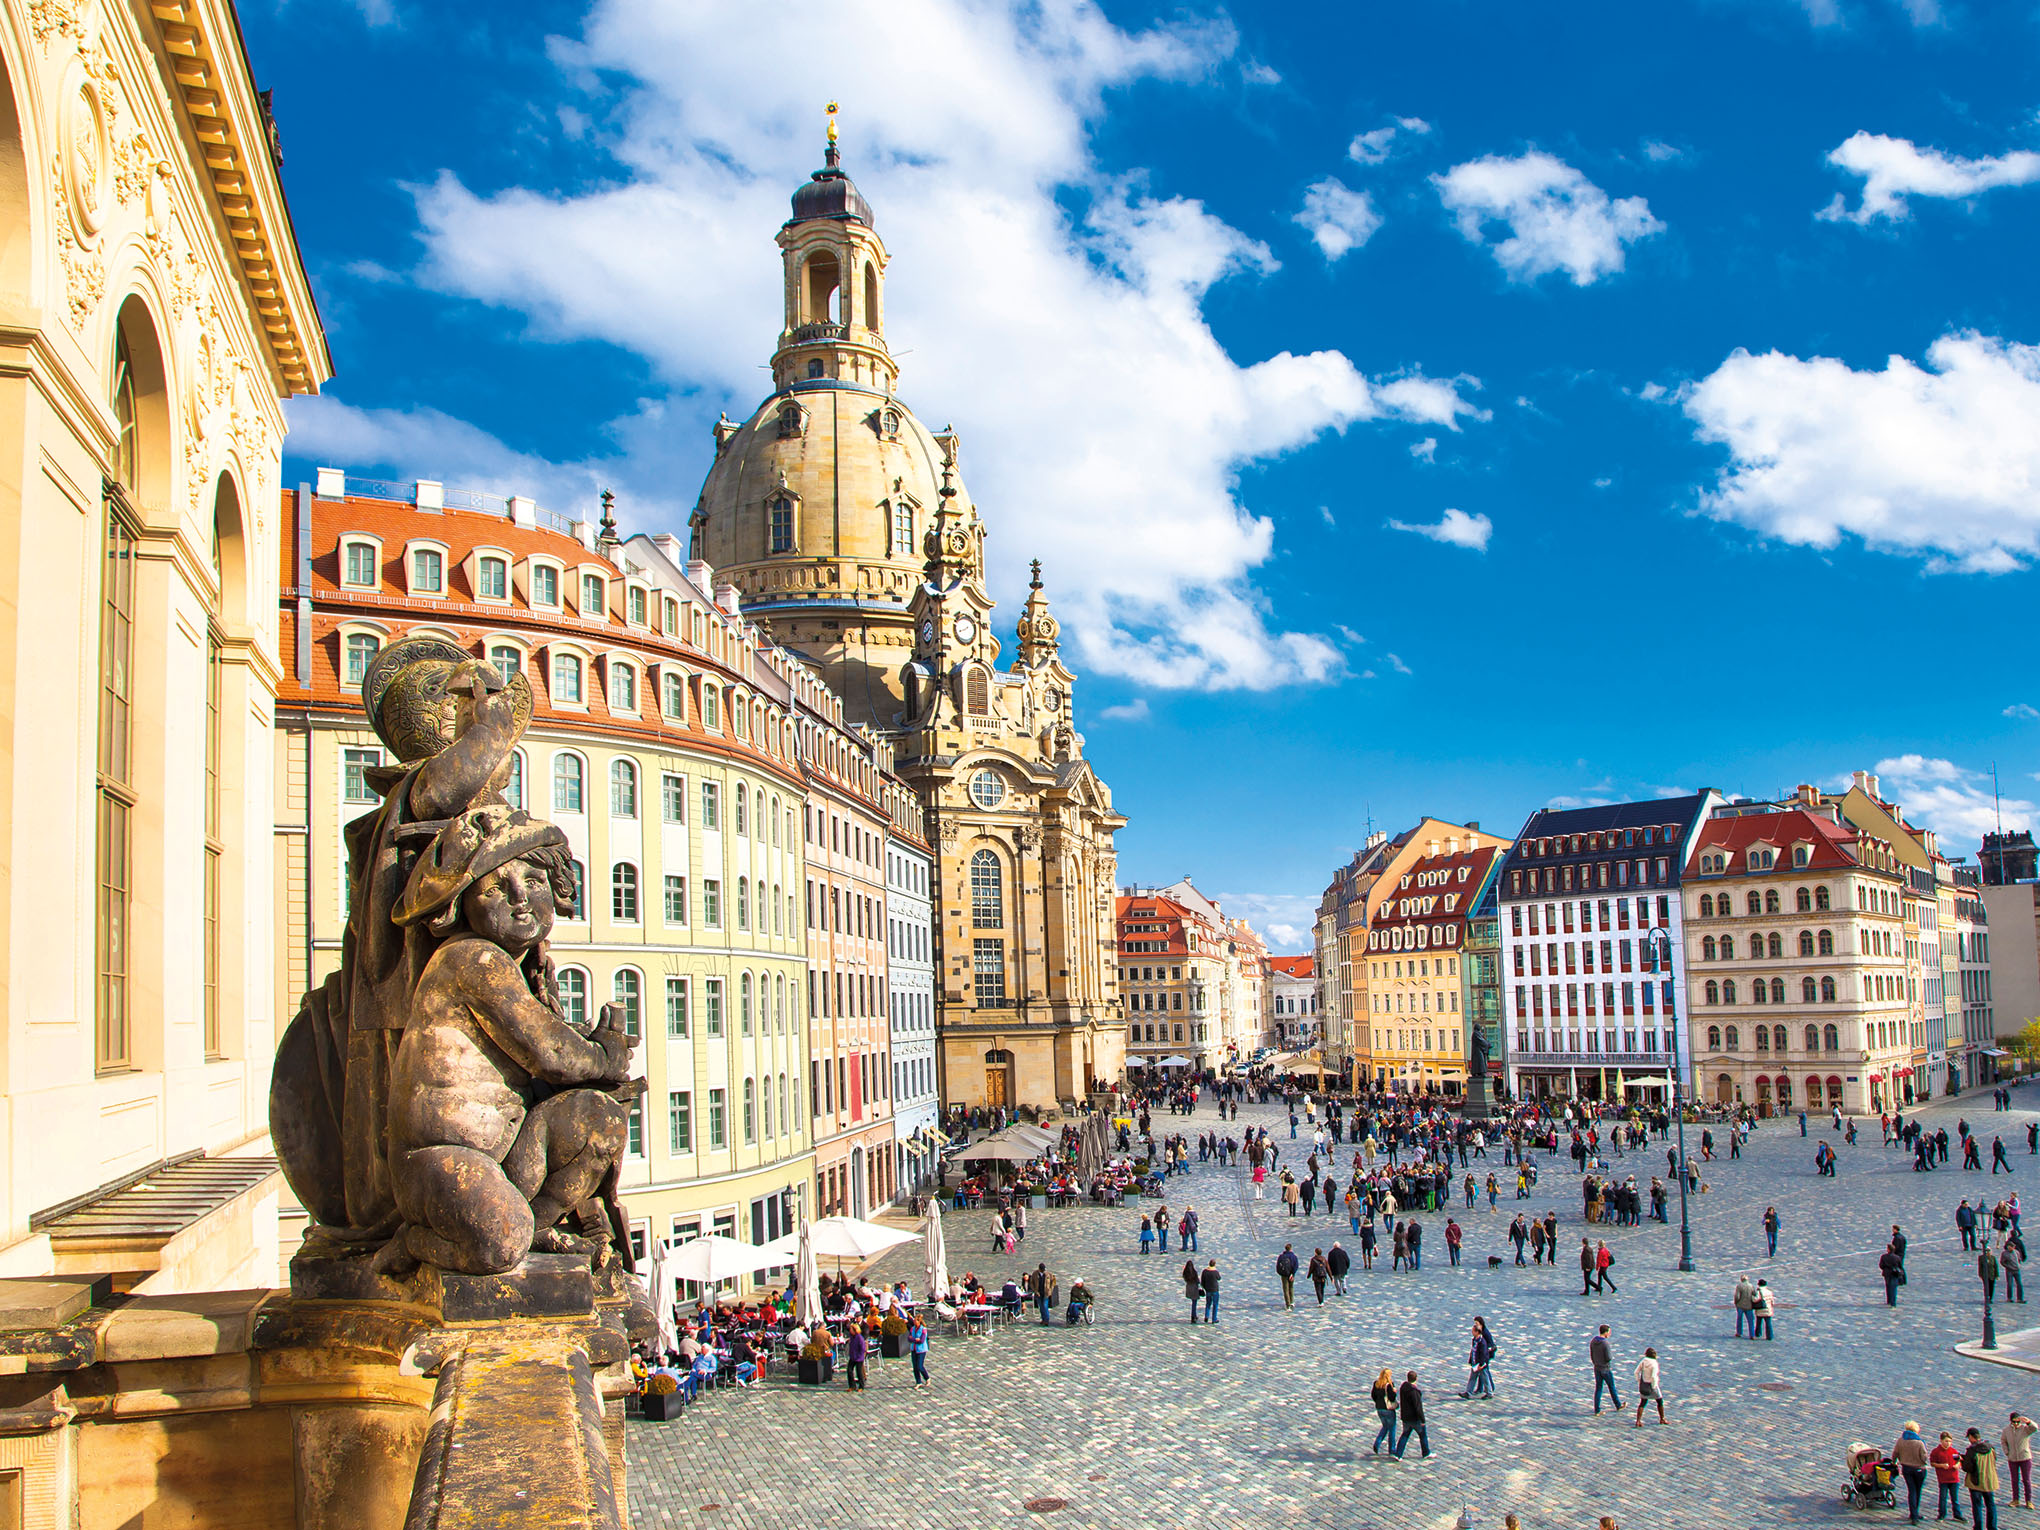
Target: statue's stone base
column 352, row 1402
column 1478, row 1107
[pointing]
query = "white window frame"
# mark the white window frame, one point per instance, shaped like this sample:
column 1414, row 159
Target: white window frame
column 355, row 539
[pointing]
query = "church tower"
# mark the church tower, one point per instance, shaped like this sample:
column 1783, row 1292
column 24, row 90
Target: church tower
column 816, row 506
column 844, row 524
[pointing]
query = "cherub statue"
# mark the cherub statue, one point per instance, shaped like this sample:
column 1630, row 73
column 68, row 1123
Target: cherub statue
column 495, row 1134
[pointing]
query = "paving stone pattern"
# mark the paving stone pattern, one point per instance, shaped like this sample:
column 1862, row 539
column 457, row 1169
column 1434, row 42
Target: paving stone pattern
column 1145, row 1420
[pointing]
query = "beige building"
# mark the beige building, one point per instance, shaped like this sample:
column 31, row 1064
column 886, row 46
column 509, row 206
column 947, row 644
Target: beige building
column 1172, row 973
column 156, row 315
column 1795, row 929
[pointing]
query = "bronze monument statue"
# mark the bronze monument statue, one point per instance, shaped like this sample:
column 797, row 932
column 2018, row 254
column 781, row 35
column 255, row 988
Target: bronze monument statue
column 432, row 1102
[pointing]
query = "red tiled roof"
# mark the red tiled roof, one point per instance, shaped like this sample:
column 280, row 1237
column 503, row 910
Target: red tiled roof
column 1294, row 966
column 1834, row 844
column 1453, row 881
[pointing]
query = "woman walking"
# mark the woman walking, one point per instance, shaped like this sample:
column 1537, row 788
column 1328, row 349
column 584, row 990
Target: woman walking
column 1385, row 1407
column 1479, row 1357
column 1147, row 1235
column 1193, row 1286
column 1647, row 1387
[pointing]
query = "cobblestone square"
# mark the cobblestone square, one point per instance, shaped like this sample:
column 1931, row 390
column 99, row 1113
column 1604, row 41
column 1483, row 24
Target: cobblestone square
column 1146, row 1420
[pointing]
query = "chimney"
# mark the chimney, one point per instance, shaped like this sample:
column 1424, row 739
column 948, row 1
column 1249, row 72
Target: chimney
column 702, row 576
column 726, row 600
column 523, row 511
column 1431, row 848
column 1807, row 794
column 1871, row 786
column 1862, row 779
column 670, row 545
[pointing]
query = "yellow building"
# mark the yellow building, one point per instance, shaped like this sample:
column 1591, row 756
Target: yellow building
column 842, row 524
column 666, row 741
column 156, row 315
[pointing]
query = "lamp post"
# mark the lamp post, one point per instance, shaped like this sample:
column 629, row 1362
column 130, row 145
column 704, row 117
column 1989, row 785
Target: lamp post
column 1989, row 1325
column 1657, row 946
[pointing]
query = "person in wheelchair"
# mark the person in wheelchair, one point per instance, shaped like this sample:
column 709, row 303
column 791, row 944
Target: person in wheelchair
column 1078, row 1309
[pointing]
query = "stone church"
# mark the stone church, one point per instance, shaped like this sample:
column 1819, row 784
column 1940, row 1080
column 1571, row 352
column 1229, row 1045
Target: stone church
column 844, row 524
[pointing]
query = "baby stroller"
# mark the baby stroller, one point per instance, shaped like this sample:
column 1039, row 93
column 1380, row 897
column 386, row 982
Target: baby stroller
column 1870, row 1479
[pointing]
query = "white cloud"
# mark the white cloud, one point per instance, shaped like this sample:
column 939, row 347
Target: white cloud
column 1893, row 169
column 672, row 259
column 1954, row 802
column 1395, row 663
column 1942, row 461
column 1558, row 220
column 426, row 443
column 1326, row 512
column 1254, row 72
column 1132, row 711
column 1604, row 483
column 1348, row 634
column 1652, row 391
column 1339, row 218
column 1425, row 450
column 1659, row 152
column 1284, row 920
column 1457, row 528
column 1372, row 148
column 1829, row 13
column 2022, row 711
column 377, row 13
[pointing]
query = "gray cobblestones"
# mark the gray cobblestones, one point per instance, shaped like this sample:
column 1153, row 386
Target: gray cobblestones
column 1146, row 1420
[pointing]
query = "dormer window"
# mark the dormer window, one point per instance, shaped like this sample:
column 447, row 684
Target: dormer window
column 360, row 565
column 781, row 515
column 1802, row 855
column 672, row 610
column 594, row 595
column 622, row 687
column 507, row 660
column 639, row 605
column 492, row 578
column 709, row 717
column 566, row 680
column 428, row 571
column 360, row 649
column 903, row 529
column 545, row 585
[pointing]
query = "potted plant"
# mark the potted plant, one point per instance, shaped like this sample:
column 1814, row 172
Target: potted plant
column 662, row 1397
column 892, row 1336
column 818, row 1360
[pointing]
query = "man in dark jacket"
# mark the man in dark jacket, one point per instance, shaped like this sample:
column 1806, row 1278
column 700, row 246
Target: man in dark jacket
column 1338, row 1261
column 1410, row 1405
column 1603, row 1356
column 1320, row 1272
column 1285, row 1268
column 1209, row 1281
column 1892, row 1268
column 1965, row 1218
column 1587, row 1266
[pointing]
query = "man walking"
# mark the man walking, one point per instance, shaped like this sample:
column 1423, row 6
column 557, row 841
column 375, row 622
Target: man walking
column 1745, row 1306
column 1189, row 1229
column 1338, row 1261
column 1892, row 1268
column 1210, row 1283
column 1587, row 1266
column 1285, row 1268
column 1603, row 1355
column 1763, row 1304
column 1410, row 1406
column 1771, row 1230
column 1987, row 1272
column 1980, row 1473
column 1965, row 1219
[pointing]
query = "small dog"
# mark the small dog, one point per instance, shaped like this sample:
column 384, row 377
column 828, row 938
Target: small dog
column 1494, row 1261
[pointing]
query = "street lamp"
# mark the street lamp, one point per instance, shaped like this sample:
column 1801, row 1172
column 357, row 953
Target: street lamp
column 1657, row 953
column 1989, row 1325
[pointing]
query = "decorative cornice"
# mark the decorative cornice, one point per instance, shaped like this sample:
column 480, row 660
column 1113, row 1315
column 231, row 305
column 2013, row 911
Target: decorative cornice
column 233, row 135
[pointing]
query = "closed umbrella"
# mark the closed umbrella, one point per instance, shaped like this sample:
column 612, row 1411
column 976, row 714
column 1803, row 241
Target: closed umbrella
column 664, row 1288
column 936, row 1248
column 807, row 1299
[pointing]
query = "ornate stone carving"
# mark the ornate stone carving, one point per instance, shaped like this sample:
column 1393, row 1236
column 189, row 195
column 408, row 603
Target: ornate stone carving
column 56, row 18
column 84, row 266
column 1030, row 836
column 431, row 1103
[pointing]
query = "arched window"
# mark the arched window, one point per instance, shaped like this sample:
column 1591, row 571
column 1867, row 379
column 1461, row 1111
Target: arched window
column 126, row 443
column 1827, row 990
column 1813, row 1038
column 622, row 688
column 1756, row 903
column 1734, row 1040
column 781, row 521
column 765, row 1104
column 1808, row 991
column 870, row 296
column 1820, row 897
column 623, row 901
column 1707, row 949
column 743, row 903
column 1777, row 990
column 362, row 647
column 1713, row 992
column 742, row 801
column 629, row 990
column 1770, row 900
column 778, row 923
column 1707, row 905
column 1728, row 948
column 676, row 696
column 987, row 891
column 566, row 783
column 508, row 660
column 1827, row 943
column 495, row 579
column 574, row 995
column 1777, row 946
column 566, row 681
column 1758, row 993
column 1761, row 1035
column 1831, row 1038
column 1778, row 1037
column 513, row 789
column 577, row 908
column 1714, row 1038
column 623, row 789
column 1803, row 899
column 1728, row 991
column 978, row 694
column 744, row 1004
column 1806, row 942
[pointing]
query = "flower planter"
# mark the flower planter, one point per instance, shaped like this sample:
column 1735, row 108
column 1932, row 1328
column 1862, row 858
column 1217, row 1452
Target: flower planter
column 1040, row 1202
column 891, row 1346
column 817, row 1373
column 662, row 1405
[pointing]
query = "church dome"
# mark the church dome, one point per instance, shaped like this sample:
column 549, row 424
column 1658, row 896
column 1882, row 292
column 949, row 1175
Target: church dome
column 829, row 193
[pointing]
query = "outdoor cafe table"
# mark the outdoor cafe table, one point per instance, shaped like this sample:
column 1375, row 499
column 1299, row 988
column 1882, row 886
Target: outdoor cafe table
column 976, row 1317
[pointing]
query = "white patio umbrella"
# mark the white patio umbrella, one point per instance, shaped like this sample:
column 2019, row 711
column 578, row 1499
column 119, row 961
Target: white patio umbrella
column 1003, row 1149
column 713, row 1259
column 807, row 1279
column 936, row 1249
column 1022, row 1132
column 838, row 1238
column 664, row 1288
column 1175, row 1062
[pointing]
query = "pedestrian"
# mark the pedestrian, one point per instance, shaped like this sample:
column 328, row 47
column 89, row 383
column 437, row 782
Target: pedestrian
column 1965, row 1219
column 1602, row 1354
column 1997, row 1156
column 1189, row 1229
column 1454, row 1236
column 2018, row 1442
column 2009, row 1262
column 1480, row 1356
column 1588, row 1265
column 1193, row 1286
column 1020, row 1222
column 1285, row 1268
column 1771, row 1231
column 1410, row 1405
column 1745, row 1307
column 1980, row 1474
column 1760, row 1315
column 1367, row 1242
column 1947, row 1463
column 1892, row 1268
column 1210, row 1282
column 855, row 1349
column 1041, row 1286
column 1518, row 1232
column 1385, row 1408
column 1147, row 1235
column 1987, row 1272
column 1648, row 1378
column 1910, row 1456
column 1604, row 1261
column 1338, row 1261
column 1320, row 1272
column 1162, row 1225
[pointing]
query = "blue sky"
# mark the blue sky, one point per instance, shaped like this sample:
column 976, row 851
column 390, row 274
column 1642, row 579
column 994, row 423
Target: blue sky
column 1436, row 409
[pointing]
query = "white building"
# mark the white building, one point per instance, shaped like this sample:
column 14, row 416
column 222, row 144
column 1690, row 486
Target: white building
column 909, row 883
column 1293, row 1002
